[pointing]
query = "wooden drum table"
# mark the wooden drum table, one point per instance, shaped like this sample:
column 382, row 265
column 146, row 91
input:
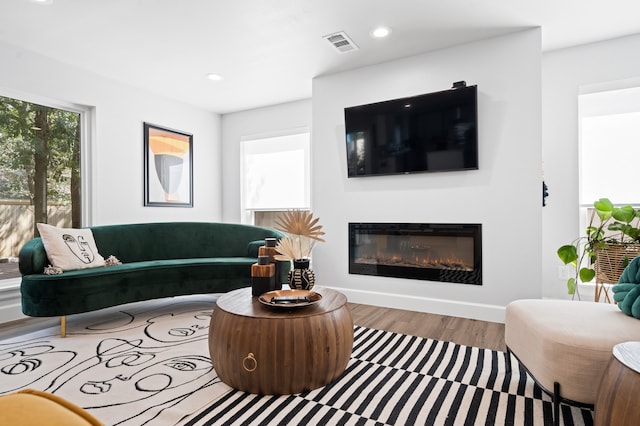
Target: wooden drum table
column 617, row 400
column 273, row 351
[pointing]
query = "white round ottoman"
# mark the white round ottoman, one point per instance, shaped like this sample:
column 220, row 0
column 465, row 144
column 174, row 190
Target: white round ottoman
column 567, row 342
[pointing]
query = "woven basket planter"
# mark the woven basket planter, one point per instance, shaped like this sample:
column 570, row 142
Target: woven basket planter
column 612, row 259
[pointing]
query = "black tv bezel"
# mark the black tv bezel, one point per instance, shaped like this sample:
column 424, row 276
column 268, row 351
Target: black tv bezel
column 407, row 99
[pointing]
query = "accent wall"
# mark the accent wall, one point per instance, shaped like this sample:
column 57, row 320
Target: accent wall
column 504, row 195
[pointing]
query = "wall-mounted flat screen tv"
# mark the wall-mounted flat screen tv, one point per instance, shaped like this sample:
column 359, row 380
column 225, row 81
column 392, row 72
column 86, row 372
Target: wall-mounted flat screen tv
column 433, row 132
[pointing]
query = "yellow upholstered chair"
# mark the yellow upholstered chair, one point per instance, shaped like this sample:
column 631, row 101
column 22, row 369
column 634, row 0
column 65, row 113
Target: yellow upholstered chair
column 31, row 407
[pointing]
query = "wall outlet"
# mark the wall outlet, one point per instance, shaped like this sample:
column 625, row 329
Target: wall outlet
column 564, row 272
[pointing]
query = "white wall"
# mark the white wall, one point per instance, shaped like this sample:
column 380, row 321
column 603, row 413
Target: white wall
column 504, row 195
column 261, row 122
column 564, row 72
column 116, row 188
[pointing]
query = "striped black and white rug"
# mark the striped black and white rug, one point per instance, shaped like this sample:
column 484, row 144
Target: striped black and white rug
column 395, row 379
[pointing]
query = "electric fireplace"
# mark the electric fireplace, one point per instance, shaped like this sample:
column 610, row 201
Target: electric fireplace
column 422, row 251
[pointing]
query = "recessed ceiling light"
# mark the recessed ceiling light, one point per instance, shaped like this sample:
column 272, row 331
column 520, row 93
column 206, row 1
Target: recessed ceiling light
column 381, row 32
column 214, row 76
column 42, row 1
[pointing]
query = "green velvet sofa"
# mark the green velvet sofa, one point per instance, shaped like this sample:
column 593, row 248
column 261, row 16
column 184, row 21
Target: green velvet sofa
column 158, row 260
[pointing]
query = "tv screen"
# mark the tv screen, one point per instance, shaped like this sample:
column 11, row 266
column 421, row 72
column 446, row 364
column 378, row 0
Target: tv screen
column 434, row 132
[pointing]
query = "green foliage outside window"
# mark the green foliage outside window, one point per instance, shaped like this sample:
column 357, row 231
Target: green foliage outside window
column 39, row 156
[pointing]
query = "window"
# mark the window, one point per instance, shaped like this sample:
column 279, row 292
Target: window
column 275, row 175
column 40, row 170
column 609, row 146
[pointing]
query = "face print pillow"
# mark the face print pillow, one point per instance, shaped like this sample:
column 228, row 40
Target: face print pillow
column 70, row 249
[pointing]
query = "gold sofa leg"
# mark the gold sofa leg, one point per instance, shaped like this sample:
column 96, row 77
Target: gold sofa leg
column 63, row 326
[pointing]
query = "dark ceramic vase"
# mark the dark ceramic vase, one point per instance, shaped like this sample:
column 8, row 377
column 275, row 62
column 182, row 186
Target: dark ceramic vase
column 301, row 277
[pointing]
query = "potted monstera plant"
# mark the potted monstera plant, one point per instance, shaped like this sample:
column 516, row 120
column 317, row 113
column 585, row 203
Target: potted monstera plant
column 606, row 248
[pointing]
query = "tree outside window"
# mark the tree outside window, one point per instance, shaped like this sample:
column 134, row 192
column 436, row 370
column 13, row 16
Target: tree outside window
column 39, row 171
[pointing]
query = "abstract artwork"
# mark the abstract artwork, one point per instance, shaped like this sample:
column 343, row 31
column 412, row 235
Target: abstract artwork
column 168, row 167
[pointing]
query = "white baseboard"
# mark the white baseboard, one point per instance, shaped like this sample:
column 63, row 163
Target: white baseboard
column 478, row 311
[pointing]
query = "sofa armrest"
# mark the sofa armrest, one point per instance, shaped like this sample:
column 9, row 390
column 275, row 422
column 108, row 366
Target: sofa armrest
column 253, row 246
column 33, row 257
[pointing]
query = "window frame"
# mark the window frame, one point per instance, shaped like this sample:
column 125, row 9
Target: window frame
column 87, row 121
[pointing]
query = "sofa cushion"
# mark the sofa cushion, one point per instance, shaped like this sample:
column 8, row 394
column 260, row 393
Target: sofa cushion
column 91, row 289
column 70, row 249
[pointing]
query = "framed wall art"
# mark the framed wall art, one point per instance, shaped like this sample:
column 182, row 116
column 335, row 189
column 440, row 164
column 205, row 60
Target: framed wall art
column 168, row 167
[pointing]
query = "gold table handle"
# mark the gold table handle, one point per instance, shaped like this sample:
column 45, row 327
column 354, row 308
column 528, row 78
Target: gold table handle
column 253, row 363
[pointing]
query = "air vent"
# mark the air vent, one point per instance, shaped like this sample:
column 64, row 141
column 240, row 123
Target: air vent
column 341, row 42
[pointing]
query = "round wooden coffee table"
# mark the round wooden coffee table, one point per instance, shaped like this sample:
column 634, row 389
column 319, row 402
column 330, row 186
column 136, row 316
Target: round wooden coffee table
column 274, row 351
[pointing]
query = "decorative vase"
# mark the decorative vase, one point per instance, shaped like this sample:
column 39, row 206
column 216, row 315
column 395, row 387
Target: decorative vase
column 301, row 277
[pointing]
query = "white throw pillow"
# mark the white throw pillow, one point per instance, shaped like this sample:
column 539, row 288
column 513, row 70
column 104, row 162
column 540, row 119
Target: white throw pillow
column 70, row 249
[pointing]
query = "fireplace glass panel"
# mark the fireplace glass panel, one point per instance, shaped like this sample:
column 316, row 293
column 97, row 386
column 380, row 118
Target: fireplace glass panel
column 434, row 252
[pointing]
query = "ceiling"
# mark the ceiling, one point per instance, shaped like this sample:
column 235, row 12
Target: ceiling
column 268, row 51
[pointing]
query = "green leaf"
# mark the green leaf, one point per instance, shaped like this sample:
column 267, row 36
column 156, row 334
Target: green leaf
column 587, row 274
column 634, row 233
column 624, row 214
column 594, row 233
column 616, row 226
column 568, row 253
column 604, row 208
column 571, row 285
column 625, row 228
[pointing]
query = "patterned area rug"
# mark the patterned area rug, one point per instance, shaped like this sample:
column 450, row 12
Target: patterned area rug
column 148, row 364
column 137, row 364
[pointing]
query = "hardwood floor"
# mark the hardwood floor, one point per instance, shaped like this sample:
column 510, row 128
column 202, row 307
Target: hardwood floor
column 463, row 331
column 8, row 269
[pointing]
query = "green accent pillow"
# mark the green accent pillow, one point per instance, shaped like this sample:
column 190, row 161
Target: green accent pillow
column 627, row 292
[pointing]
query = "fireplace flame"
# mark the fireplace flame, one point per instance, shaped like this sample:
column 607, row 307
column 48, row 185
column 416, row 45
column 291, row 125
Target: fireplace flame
column 416, row 262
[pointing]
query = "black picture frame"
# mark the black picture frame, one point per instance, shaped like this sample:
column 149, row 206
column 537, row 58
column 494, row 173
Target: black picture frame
column 168, row 167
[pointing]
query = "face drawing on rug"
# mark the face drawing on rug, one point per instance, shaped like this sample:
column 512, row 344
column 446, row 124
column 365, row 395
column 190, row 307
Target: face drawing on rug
column 79, row 247
column 124, row 372
column 178, row 327
column 28, row 363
